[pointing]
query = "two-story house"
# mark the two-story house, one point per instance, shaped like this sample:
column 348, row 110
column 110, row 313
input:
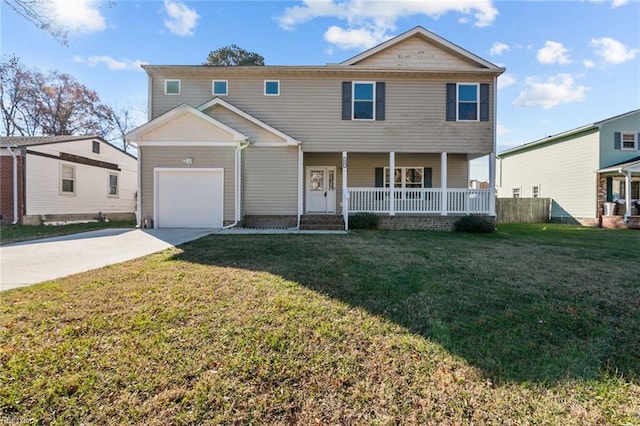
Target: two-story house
column 582, row 170
column 390, row 131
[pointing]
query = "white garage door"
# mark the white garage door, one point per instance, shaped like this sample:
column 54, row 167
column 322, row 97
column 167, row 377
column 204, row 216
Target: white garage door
column 189, row 198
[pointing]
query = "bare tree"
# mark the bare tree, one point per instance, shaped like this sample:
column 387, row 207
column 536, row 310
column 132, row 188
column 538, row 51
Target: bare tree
column 123, row 120
column 15, row 89
column 39, row 13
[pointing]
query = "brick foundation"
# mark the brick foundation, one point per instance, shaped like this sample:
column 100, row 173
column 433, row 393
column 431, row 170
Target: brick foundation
column 617, row 222
column 270, row 221
column 418, row 223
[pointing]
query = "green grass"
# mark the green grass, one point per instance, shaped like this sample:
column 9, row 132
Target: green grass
column 16, row 233
column 536, row 324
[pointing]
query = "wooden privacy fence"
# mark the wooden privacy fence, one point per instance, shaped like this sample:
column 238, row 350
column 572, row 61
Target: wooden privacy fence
column 523, row 210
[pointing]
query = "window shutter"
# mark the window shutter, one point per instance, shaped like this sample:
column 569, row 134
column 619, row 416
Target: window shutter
column 617, row 140
column 379, row 177
column 638, row 141
column 427, row 177
column 609, row 189
column 346, row 100
column 451, row 102
column 380, row 113
column 484, row 102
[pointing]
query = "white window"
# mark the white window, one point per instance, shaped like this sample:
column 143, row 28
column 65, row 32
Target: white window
column 172, row 87
column 220, row 87
column 535, row 191
column 272, row 87
column 468, row 101
column 113, row 184
column 67, row 179
column 629, row 141
column 364, row 95
column 515, row 192
column 96, row 147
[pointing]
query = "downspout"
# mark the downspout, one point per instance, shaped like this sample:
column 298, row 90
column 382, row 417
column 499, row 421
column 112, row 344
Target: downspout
column 300, row 177
column 15, row 186
column 238, row 187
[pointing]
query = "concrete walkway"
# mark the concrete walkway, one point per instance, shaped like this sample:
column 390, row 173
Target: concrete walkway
column 31, row 262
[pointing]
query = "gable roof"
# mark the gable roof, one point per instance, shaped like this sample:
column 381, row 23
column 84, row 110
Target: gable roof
column 249, row 117
column 577, row 130
column 628, row 165
column 26, row 141
column 135, row 135
column 429, row 36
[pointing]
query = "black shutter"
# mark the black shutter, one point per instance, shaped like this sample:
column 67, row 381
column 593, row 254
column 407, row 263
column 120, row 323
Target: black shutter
column 484, row 102
column 638, row 141
column 609, row 189
column 379, row 177
column 451, row 102
column 346, row 100
column 426, row 174
column 380, row 113
column 617, row 140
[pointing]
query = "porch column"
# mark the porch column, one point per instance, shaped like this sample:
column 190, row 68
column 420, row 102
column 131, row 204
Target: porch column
column 492, row 184
column 443, row 183
column 345, row 192
column 392, row 184
column 627, row 194
column 300, row 182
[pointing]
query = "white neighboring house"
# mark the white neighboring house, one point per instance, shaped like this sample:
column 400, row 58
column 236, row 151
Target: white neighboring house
column 581, row 170
column 65, row 179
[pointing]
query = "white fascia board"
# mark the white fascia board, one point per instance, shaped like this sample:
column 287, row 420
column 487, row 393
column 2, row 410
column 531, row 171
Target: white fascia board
column 234, row 144
column 217, row 101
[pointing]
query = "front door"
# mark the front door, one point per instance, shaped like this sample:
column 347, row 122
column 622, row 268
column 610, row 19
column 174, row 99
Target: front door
column 321, row 189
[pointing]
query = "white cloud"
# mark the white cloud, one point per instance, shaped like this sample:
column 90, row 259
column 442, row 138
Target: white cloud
column 181, row 20
column 618, row 3
column 556, row 90
column 505, row 80
column 498, row 49
column 502, row 130
column 588, row 63
column 112, row 64
column 612, row 51
column 75, row 16
column 553, row 53
column 370, row 22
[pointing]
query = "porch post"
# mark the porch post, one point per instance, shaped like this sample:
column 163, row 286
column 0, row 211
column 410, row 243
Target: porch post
column 392, row 184
column 492, row 184
column 300, row 182
column 345, row 192
column 443, row 183
column 627, row 194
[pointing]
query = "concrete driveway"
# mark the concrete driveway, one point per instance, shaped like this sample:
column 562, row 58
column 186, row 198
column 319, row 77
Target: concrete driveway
column 50, row 258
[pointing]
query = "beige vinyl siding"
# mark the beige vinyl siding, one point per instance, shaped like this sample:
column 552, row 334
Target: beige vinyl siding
column 416, row 53
column 171, row 157
column 309, row 109
column 254, row 132
column 186, row 127
column 43, row 181
column 361, row 168
column 564, row 171
column 270, row 180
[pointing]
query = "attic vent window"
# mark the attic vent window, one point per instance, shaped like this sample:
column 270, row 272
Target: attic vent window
column 272, row 88
column 96, row 147
column 220, row 87
column 172, row 87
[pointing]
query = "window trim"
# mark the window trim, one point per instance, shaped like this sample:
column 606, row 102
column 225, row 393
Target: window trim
column 62, row 179
column 95, row 147
column 117, row 185
column 226, row 87
column 265, row 88
column 535, row 191
column 635, row 141
column 385, row 183
column 477, row 102
column 516, row 192
column 373, row 100
column 169, row 80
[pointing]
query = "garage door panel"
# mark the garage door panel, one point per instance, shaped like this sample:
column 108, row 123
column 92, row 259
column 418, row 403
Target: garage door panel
column 190, row 199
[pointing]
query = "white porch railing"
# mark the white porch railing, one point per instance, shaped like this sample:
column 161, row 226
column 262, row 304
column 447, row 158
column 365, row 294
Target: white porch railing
column 419, row 200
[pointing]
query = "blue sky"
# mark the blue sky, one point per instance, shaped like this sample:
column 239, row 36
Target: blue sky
column 569, row 63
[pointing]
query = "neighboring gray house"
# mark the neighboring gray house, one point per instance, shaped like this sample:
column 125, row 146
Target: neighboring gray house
column 390, row 131
column 65, row 179
column 581, row 170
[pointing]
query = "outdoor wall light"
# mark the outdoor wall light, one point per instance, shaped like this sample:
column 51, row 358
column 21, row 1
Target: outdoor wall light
column 188, row 161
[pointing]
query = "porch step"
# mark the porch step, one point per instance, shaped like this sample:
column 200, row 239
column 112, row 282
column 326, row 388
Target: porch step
column 320, row 222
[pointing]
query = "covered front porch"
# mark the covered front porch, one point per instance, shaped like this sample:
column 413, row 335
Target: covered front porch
column 434, row 184
column 619, row 195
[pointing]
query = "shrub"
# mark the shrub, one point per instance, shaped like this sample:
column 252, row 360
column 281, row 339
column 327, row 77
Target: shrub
column 363, row 221
column 475, row 224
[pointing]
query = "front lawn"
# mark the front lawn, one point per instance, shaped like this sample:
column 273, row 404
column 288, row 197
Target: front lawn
column 536, row 324
column 15, row 233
